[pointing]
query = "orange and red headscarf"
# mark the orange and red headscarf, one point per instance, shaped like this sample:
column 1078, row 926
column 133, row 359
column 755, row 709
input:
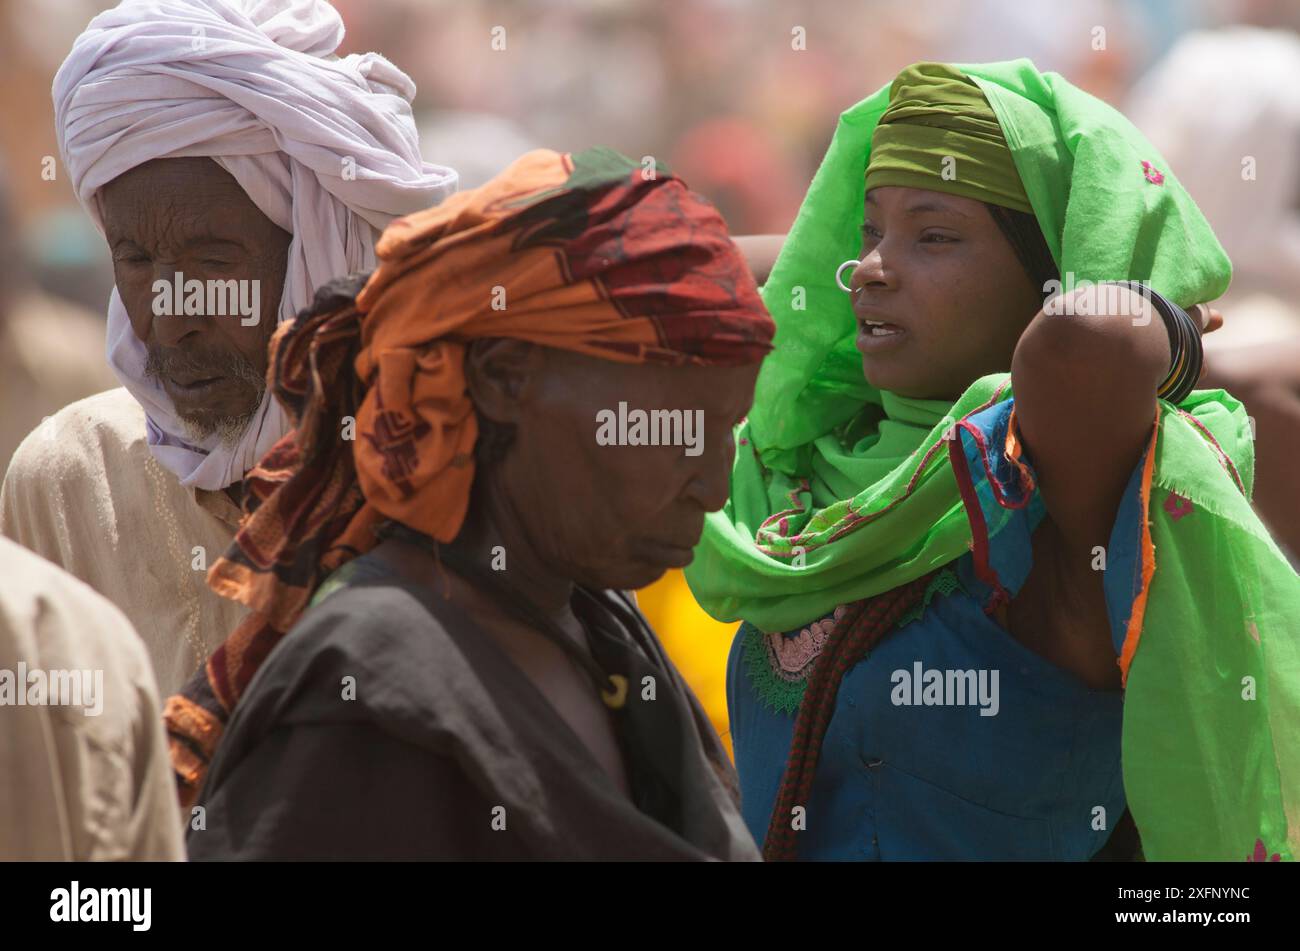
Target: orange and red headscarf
column 586, row 252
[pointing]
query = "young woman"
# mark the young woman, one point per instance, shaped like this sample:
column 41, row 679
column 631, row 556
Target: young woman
column 981, row 625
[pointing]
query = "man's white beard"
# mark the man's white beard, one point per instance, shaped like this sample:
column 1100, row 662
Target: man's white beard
column 229, row 429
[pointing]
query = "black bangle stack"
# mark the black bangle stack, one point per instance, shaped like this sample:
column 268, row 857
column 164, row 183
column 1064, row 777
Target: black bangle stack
column 1187, row 354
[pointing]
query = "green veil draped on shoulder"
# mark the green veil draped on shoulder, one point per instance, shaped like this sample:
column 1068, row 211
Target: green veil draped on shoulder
column 837, row 496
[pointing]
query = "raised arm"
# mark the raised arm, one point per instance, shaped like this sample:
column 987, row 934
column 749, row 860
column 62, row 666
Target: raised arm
column 760, row 251
column 1085, row 386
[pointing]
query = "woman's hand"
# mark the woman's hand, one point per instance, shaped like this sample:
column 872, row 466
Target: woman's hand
column 1210, row 321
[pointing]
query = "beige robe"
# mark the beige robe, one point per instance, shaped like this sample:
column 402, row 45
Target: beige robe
column 84, row 491
column 86, row 778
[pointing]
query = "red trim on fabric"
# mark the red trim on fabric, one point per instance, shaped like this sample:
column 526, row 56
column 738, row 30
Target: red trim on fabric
column 1224, row 459
column 982, row 443
column 784, row 514
column 1134, row 632
column 853, row 519
column 979, row 528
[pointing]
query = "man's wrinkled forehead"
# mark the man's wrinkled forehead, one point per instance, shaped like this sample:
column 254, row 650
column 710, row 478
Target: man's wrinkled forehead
column 170, row 180
column 176, row 202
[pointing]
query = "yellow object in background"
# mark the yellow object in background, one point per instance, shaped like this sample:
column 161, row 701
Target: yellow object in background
column 696, row 643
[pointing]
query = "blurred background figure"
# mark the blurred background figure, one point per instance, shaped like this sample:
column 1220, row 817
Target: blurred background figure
column 84, row 757
column 740, row 98
column 742, row 169
column 1224, row 107
column 51, row 346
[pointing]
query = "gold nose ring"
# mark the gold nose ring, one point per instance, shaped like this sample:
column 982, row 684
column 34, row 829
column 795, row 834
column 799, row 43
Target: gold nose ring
column 839, row 271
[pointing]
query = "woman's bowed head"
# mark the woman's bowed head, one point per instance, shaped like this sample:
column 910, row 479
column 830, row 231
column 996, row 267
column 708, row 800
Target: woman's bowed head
column 477, row 427
column 563, row 505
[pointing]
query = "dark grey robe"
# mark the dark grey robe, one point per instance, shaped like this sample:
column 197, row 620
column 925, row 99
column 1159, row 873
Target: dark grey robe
column 448, row 751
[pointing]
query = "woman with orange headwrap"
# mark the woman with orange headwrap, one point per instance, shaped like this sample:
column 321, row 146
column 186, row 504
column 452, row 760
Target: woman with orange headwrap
column 440, row 661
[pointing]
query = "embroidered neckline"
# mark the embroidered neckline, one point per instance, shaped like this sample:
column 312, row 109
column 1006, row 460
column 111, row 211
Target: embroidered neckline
column 778, row 665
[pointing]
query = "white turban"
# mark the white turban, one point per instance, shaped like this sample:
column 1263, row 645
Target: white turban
column 326, row 147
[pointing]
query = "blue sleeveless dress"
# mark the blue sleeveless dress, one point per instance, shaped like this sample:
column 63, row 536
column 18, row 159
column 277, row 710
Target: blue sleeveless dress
column 950, row 740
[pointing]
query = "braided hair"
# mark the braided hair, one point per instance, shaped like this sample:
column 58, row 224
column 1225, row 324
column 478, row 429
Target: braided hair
column 1022, row 232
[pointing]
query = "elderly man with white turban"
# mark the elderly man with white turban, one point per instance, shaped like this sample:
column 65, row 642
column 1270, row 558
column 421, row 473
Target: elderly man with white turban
column 223, row 142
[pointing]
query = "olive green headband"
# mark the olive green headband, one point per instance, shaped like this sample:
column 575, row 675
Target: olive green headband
column 940, row 133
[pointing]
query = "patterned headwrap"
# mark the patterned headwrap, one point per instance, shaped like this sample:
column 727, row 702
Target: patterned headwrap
column 578, row 252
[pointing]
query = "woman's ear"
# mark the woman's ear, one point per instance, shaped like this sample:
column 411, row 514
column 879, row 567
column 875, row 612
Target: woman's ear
column 500, row 373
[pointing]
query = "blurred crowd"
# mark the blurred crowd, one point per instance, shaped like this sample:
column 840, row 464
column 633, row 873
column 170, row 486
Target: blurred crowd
column 737, row 96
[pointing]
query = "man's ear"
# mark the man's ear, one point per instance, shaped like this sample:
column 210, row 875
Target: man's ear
column 500, row 373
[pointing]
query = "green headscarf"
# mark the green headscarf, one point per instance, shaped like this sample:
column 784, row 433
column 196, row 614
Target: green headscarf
column 836, row 494
column 936, row 116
